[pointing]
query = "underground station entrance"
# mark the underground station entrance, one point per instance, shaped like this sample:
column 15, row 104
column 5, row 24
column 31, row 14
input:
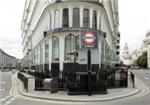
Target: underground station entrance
column 84, row 83
column 87, row 81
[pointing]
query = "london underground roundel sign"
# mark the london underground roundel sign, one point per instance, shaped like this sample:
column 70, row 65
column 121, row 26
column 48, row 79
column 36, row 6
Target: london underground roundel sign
column 89, row 40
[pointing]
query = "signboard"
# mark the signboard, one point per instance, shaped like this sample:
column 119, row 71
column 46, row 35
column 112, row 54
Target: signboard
column 88, row 40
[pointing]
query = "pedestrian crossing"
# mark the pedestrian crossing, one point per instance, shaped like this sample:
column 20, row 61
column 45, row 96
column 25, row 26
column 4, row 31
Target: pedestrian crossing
column 12, row 96
column 7, row 100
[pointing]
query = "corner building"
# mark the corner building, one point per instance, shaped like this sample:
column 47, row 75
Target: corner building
column 51, row 31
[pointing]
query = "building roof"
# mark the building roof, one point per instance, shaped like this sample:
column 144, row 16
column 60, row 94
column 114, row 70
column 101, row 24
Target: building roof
column 1, row 51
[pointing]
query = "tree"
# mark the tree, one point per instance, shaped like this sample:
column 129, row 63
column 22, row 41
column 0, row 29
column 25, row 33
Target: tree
column 142, row 60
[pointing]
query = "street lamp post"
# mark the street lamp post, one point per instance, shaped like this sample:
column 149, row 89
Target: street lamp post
column 89, row 71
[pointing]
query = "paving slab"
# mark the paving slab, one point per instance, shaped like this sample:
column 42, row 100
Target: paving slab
column 113, row 94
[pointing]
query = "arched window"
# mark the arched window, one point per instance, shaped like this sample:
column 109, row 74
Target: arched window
column 71, row 45
column 46, row 51
column 41, row 54
column 86, row 19
column 55, row 48
column 94, row 25
column 65, row 17
column 76, row 17
column 57, row 20
column 103, row 51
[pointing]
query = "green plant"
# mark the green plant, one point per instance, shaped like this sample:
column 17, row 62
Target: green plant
column 142, row 60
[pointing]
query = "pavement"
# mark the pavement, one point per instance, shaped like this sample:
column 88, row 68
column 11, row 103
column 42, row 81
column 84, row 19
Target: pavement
column 113, row 94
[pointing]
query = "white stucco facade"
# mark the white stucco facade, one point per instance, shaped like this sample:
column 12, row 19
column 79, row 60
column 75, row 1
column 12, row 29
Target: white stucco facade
column 47, row 16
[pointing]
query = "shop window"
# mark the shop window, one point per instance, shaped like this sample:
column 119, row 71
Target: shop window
column 65, row 17
column 57, row 20
column 76, row 17
column 71, row 45
column 46, row 51
column 86, row 19
column 55, row 49
column 102, row 51
column 34, row 58
column 41, row 54
column 94, row 25
column 77, row 43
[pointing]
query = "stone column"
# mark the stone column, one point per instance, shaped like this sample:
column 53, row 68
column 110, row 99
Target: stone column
column 61, row 52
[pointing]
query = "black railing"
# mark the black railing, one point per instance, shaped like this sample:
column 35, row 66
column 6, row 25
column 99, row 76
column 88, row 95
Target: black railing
column 78, row 83
column 113, row 82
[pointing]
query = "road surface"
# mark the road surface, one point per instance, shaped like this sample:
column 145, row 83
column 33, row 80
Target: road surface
column 7, row 99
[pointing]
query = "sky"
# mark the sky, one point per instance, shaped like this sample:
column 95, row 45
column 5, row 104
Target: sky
column 11, row 12
column 134, row 20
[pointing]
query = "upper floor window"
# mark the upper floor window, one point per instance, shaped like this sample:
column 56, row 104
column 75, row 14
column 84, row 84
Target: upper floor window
column 94, row 25
column 86, row 19
column 76, row 17
column 57, row 20
column 65, row 22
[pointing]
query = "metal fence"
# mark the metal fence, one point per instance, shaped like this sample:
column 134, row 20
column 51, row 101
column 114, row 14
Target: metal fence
column 78, row 83
column 122, row 81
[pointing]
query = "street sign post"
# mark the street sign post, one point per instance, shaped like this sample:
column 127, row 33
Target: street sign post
column 88, row 42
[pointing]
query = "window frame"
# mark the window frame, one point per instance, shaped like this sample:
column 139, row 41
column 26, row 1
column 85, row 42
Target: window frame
column 65, row 20
column 76, row 17
column 86, row 20
column 53, row 52
column 74, row 46
column 94, row 20
column 57, row 19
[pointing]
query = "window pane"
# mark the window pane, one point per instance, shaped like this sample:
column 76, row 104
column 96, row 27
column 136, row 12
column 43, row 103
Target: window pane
column 94, row 20
column 55, row 49
column 41, row 54
column 70, row 46
column 102, row 51
column 67, row 47
column 46, row 52
column 65, row 18
column 77, row 43
column 76, row 17
column 86, row 18
column 57, row 19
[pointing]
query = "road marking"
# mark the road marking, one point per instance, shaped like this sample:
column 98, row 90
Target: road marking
column 2, row 89
column 146, row 78
column 4, row 99
column 9, row 101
